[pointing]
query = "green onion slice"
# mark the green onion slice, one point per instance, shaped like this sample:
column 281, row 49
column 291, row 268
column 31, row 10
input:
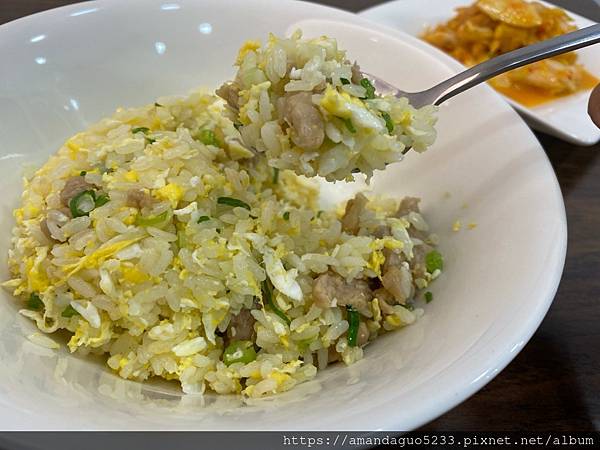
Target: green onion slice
column 353, row 322
column 82, row 204
column 207, row 137
column 268, row 299
column 369, row 88
column 389, row 123
column 148, row 221
column 69, row 311
column 230, row 201
column 428, row 296
column 349, row 125
column 239, row 351
column 434, row 261
column 102, row 199
column 34, row 302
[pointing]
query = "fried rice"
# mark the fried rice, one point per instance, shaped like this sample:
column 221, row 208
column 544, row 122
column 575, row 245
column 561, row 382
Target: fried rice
column 183, row 240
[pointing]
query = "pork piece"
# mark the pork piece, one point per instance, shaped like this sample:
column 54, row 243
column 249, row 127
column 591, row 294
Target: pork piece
column 243, row 322
column 136, row 198
column 417, row 263
column 354, row 209
column 392, row 259
column 330, row 289
column 332, row 354
column 407, row 205
column 305, row 120
column 74, row 186
column 381, row 231
column 363, row 334
column 385, row 300
column 397, row 281
column 419, row 267
column 230, row 93
column 382, row 294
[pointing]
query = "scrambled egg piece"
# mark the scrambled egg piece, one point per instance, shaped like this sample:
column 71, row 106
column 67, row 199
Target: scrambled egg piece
column 73, row 149
column 133, row 275
column 343, row 105
column 85, row 335
column 94, row 259
column 248, row 46
column 131, row 176
column 37, row 278
column 375, row 262
column 172, row 192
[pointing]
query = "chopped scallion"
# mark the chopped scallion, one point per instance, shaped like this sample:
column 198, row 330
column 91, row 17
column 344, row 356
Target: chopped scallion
column 428, row 297
column 353, row 323
column 434, row 261
column 203, row 219
column 207, row 137
column 82, row 204
column 34, row 302
column 389, row 123
column 239, row 351
column 102, row 199
column 140, row 130
column 148, row 221
column 286, row 215
column 268, row 299
column 344, row 81
column 369, row 88
column 69, row 311
column 230, row 201
column 349, row 125
column 275, row 175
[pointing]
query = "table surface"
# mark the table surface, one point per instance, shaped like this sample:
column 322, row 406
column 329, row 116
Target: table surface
column 554, row 383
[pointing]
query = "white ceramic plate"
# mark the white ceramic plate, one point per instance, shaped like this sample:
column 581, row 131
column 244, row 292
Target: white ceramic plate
column 565, row 118
column 66, row 68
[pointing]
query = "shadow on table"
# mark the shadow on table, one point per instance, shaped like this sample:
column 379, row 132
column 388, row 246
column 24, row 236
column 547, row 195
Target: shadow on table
column 570, row 162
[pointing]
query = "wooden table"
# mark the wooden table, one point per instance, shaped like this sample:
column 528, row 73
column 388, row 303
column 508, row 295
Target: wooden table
column 554, row 383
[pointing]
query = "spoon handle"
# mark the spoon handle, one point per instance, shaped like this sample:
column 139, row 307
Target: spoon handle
column 511, row 60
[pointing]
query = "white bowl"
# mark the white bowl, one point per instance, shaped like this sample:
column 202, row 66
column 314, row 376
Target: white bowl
column 565, row 118
column 66, row 68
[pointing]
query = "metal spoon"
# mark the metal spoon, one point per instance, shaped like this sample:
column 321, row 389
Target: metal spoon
column 495, row 66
